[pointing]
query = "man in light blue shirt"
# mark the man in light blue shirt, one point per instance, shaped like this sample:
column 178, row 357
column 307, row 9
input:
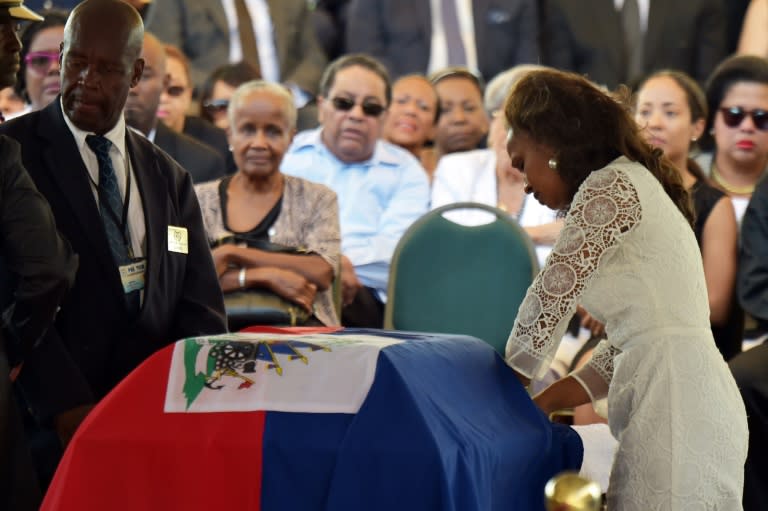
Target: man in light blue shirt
column 382, row 189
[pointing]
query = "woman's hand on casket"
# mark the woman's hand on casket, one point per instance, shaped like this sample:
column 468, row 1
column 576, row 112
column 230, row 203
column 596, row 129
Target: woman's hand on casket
column 563, row 394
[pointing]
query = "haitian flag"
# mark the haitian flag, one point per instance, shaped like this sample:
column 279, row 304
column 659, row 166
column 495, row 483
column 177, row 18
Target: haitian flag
column 318, row 373
column 405, row 421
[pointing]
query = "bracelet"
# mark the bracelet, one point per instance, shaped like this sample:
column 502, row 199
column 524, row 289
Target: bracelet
column 241, row 278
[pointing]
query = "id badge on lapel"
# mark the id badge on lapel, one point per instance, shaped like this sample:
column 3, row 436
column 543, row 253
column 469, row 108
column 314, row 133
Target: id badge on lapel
column 132, row 275
column 178, row 239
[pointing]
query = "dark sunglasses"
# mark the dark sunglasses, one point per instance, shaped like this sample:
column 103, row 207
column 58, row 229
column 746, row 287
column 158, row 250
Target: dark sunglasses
column 216, row 106
column 41, row 61
column 734, row 116
column 175, row 90
column 346, row 104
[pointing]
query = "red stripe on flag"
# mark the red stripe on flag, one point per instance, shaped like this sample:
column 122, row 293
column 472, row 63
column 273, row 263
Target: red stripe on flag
column 156, row 462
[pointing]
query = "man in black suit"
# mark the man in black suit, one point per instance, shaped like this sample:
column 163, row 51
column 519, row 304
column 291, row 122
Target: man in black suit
column 408, row 37
column 146, row 277
column 201, row 161
column 750, row 368
column 588, row 37
column 36, row 269
column 215, row 138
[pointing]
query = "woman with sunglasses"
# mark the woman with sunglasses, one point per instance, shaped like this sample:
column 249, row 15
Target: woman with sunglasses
column 737, row 127
column 176, row 98
column 37, row 80
column 671, row 109
column 260, row 205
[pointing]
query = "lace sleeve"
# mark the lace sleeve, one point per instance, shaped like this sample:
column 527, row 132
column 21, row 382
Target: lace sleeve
column 595, row 375
column 603, row 211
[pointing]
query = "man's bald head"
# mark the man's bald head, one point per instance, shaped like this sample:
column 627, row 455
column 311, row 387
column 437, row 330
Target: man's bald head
column 110, row 16
column 100, row 62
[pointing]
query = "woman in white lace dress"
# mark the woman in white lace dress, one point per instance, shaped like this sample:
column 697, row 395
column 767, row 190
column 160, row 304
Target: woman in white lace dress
column 628, row 255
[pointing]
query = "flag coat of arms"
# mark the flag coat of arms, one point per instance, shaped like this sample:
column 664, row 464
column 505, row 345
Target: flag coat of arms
column 401, row 421
column 317, row 373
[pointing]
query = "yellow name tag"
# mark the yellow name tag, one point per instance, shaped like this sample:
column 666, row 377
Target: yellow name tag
column 132, row 275
column 178, row 239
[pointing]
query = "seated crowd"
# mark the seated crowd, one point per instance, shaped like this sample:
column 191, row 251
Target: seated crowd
column 241, row 148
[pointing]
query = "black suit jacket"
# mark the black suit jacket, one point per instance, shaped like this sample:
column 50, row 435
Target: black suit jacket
column 399, row 33
column 95, row 343
column 586, row 36
column 36, row 268
column 201, row 161
column 205, row 132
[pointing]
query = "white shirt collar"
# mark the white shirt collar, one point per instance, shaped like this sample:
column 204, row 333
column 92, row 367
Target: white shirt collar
column 116, row 135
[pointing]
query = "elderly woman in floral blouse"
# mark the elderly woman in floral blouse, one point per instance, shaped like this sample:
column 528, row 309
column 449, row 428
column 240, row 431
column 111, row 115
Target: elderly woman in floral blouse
column 260, row 204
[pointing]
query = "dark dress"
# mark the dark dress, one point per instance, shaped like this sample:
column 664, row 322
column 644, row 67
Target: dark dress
column 729, row 335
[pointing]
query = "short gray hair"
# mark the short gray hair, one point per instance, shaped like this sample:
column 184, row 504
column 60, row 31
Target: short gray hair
column 498, row 89
column 289, row 108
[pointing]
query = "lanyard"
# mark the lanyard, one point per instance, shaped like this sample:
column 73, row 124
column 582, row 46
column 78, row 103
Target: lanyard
column 122, row 222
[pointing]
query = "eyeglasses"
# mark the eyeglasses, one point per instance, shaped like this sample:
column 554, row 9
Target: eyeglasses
column 734, row 116
column 346, row 104
column 41, row 61
column 216, row 106
column 175, row 90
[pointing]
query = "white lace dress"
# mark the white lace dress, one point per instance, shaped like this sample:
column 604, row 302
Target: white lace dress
column 630, row 258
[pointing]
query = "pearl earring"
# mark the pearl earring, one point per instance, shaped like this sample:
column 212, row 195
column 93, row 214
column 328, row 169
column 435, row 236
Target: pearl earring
column 552, row 164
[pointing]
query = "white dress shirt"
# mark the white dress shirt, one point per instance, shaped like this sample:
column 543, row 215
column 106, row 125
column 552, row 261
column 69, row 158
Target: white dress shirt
column 264, row 32
column 265, row 44
column 438, row 55
column 643, row 7
column 378, row 199
column 120, row 161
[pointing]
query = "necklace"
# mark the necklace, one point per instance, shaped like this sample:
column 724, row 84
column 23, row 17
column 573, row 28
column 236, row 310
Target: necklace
column 732, row 190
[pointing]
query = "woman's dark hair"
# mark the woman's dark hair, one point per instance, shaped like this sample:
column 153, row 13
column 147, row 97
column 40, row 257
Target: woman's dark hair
column 697, row 105
column 733, row 70
column 53, row 18
column 588, row 129
column 232, row 74
column 458, row 72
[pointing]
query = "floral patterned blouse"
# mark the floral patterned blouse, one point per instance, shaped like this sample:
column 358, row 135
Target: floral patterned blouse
column 309, row 219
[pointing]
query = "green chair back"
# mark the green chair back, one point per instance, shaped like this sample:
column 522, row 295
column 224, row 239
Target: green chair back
column 451, row 278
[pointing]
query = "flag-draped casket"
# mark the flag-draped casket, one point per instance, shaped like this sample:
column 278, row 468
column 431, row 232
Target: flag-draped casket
column 348, row 420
